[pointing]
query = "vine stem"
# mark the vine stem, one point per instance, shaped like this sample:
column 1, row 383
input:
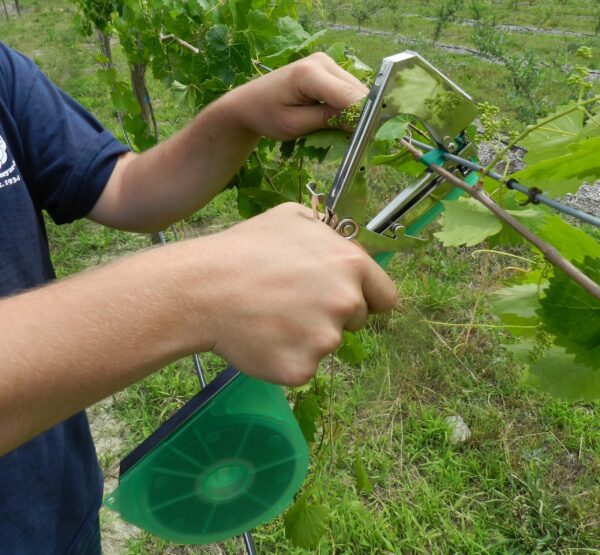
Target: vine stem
column 550, row 253
column 509, row 254
column 530, row 128
column 473, row 325
column 184, row 43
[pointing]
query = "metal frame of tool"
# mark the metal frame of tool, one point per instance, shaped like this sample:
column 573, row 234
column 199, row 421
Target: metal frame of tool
column 406, row 84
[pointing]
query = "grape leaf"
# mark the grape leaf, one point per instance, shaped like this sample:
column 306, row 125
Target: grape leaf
column 571, row 242
column 521, row 351
column 252, row 202
column 337, row 51
column 550, row 140
column 516, row 307
column 305, row 524
column 392, row 130
column 325, row 138
column 520, row 300
column 361, row 475
column 351, row 349
column 306, row 411
column 184, row 95
column 573, row 315
column 466, row 222
column 564, row 174
column 292, row 38
column 559, row 374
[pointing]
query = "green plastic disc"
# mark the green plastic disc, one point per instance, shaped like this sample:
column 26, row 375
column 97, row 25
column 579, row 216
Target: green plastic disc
column 234, row 463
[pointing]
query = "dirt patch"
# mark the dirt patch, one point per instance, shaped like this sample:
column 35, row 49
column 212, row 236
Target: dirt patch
column 109, row 435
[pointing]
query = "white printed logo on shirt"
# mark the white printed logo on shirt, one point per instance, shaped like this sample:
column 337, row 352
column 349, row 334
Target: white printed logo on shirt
column 5, row 174
column 3, row 153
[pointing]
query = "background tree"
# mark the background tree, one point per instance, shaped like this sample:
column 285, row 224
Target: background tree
column 445, row 12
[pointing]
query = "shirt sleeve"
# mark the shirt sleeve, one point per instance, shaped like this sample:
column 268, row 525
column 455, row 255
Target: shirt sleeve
column 69, row 155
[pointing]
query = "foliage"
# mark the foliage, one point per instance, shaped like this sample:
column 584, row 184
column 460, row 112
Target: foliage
column 361, row 11
column 305, row 523
column 445, row 12
column 96, row 14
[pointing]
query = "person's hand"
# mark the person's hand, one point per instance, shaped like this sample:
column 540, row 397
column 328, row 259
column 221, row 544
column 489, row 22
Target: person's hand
column 281, row 289
column 295, row 99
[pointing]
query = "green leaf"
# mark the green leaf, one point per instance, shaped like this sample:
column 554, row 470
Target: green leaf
column 573, row 315
column 522, row 350
column 550, row 140
column 337, row 51
column 305, row 524
column 290, row 182
column 520, row 300
column 332, row 141
column 571, row 242
column 361, row 475
column 307, row 411
column 564, row 174
column 351, row 349
column 402, row 161
column 184, row 95
column 108, row 76
column 357, row 67
column 392, row 130
column 560, row 375
column 291, row 39
column 252, row 202
column 466, row 222
column 325, row 138
column 287, row 148
column 516, row 307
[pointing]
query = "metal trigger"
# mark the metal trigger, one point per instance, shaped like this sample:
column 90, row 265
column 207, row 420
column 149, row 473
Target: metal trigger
column 316, row 200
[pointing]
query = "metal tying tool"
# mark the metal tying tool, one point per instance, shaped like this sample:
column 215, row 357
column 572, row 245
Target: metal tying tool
column 406, row 84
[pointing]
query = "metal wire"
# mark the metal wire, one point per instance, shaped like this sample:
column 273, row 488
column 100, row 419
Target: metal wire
column 249, row 543
column 513, row 184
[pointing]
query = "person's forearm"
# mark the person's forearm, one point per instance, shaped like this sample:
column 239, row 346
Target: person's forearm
column 244, row 293
column 148, row 192
column 172, row 180
column 70, row 344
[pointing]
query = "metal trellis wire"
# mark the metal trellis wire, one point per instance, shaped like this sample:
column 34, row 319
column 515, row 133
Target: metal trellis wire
column 533, row 194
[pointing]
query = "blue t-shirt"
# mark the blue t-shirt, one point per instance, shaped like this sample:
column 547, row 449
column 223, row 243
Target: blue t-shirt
column 54, row 156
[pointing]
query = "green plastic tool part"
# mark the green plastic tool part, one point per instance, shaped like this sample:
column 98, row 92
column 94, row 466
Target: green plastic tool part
column 234, row 463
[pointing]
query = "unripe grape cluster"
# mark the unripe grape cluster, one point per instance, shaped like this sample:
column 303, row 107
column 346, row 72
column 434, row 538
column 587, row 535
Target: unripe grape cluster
column 442, row 102
column 493, row 125
column 348, row 117
column 584, row 52
column 580, row 76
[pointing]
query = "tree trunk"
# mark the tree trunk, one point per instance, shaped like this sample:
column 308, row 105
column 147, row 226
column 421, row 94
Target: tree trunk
column 18, row 7
column 5, row 9
column 105, row 49
column 140, row 89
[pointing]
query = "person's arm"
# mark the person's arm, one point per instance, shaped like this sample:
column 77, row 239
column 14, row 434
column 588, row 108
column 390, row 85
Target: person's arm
column 152, row 190
column 271, row 295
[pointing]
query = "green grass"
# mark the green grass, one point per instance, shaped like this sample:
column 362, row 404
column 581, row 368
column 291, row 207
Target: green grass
column 527, row 479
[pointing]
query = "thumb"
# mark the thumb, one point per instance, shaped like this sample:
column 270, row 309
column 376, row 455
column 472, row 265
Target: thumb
column 304, row 119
